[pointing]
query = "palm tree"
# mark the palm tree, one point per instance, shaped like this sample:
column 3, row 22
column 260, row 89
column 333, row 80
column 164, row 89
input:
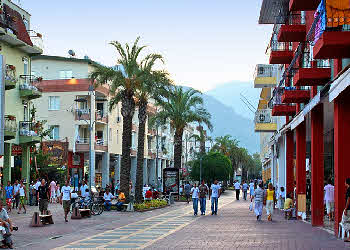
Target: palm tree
column 123, row 84
column 201, row 138
column 182, row 107
column 152, row 86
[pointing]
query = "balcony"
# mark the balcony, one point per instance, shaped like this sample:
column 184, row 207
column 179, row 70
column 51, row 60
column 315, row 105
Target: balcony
column 284, row 110
column 27, row 87
column 299, row 5
column 10, row 127
column 295, row 96
column 294, row 30
column 312, row 76
column 265, row 76
column 101, row 116
column 333, row 44
column 37, row 39
column 280, row 53
column 264, row 122
column 28, row 132
column 101, row 145
column 10, row 77
column 82, row 114
column 82, row 145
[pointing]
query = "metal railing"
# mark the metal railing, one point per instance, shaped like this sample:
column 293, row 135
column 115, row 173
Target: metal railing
column 28, row 128
column 295, row 19
column 280, row 46
column 101, row 142
column 82, row 140
column 10, row 123
column 36, row 38
column 27, row 82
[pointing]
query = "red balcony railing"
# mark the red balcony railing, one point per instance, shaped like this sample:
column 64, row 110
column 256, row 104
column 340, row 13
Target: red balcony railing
column 281, row 53
column 294, row 30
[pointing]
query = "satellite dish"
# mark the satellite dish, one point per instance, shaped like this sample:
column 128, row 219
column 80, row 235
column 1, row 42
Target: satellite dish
column 71, row 52
column 86, row 57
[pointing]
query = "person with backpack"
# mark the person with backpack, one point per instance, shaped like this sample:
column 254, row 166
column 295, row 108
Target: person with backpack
column 187, row 192
column 203, row 191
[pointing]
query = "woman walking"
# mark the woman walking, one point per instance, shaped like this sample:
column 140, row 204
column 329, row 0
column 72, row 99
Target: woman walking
column 270, row 201
column 258, row 200
column 22, row 198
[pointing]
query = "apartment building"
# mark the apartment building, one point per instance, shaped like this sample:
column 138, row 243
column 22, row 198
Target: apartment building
column 310, row 45
column 18, row 44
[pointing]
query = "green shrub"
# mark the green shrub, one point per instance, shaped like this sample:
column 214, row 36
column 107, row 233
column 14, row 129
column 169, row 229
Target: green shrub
column 150, row 204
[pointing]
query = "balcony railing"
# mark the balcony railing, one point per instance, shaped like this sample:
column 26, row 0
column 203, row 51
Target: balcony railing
column 27, row 82
column 36, row 39
column 10, row 123
column 101, row 116
column 101, row 142
column 295, row 19
column 280, row 46
column 28, row 128
column 82, row 114
column 82, row 140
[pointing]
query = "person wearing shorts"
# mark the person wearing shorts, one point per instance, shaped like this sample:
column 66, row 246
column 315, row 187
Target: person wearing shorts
column 22, row 198
column 9, row 196
column 66, row 197
column 43, row 197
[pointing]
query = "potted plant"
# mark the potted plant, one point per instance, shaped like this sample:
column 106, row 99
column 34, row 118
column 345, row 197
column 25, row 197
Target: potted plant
column 39, row 35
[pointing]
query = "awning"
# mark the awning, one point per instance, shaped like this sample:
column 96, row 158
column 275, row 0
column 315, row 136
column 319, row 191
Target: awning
column 339, row 85
column 297, row 120
column 316, row 100
column 273, row 9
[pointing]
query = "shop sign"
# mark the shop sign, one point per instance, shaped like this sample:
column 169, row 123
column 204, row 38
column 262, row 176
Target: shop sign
column 57, row 150
column 171, row 180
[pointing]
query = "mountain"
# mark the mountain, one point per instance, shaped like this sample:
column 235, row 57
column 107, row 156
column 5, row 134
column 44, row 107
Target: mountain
column 230, row 94
column 226, row 121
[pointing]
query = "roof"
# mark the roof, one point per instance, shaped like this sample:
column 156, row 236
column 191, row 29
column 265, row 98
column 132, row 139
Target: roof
column 69, row 59
column 271, row 9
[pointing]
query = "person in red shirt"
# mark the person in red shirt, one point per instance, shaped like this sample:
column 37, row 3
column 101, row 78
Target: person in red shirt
column 155, row 194
column 148, row 195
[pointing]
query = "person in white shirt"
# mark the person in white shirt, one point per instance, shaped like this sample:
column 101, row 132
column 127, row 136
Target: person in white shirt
column 52, row 191
column 83, row 190
column 251, row 188
column 195, row 196
column 237, row 188
column 66, row 197
column 108, row 199
column 329, row 199
column 214, row 194
column 16, row 193
column 36, row 186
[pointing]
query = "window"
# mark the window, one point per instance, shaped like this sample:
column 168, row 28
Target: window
column 66, row 74
column 54, row 103
column 55, row 132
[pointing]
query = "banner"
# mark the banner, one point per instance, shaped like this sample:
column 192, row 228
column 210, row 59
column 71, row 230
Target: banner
column 171, row 180
column 58, row 152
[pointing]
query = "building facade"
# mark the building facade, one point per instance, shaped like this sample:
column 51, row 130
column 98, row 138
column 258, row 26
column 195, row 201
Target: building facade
column 18, row 44
column 310, row 47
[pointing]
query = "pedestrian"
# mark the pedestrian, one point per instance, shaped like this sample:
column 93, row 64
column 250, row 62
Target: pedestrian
column 16, row 193
column 251, row 189
column 237, row 186
column 258, row 201
column 58, row 193
column 214, row 194
column 329, row 199
column 22, row 198
column 37, row 184
column 83, row 188
column 117, row 187
column 31, row 193
column 66, row 195
column 245, row 190
column 187, row 192
column 9, row 195
column 281, row 198
column 308, row 196
column 43, row 197
column 181, row 189
column 203, row 191
column 52, row 191
column 270, row 200
column 195, row 192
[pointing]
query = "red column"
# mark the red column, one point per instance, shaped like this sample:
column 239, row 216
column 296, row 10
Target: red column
column 301, row 158
column 289, row 162
column 341, row 151
column 317, row 166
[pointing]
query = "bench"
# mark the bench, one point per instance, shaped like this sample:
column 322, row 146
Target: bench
column 46, row 219
column 39, row 220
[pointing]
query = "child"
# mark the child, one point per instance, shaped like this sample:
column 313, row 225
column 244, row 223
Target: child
column 288, row 207
column 58, row 193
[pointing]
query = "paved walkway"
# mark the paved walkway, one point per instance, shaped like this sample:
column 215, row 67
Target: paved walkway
column 235, row 227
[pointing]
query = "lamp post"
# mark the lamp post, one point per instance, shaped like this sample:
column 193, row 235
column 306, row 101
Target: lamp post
column 157, row 148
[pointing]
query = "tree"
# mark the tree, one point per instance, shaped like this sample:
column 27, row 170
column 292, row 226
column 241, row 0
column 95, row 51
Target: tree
column 151, row 86
column 182, row 107
column 215, row 166
column 201, row 138
column 255, row 167
column 123, row 84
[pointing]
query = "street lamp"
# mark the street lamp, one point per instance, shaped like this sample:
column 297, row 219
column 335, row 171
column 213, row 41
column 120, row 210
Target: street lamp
column 91, row 127
column 157, row 147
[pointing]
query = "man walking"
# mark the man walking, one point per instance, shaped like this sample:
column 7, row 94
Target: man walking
column 9, row 195
column 37, row 185
column 215, row 192
column 258, row 199
column 251, row 189
column 238, row 189
column 245, row 190
column 66, row 197
column 187, row 192
column 203, row 191
column 43, row 197
column 16, row 193
column 194, row 192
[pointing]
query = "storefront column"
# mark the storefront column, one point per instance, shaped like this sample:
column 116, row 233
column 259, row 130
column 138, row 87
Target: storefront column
column 317, row 166
column 117, row 169
column 300, row 160
column 289, row 162
column 341, row 154
column 6, row 171
column 105, row 169
column 26, row 164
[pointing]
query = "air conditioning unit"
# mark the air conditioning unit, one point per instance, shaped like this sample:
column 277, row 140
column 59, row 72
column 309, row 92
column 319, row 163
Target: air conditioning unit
column 119, row 119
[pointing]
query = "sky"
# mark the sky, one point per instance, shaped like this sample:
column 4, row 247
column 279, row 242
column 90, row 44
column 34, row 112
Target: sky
column 205, row 42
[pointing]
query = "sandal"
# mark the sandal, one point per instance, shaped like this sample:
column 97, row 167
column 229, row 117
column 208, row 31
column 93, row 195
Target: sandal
column 347, row 240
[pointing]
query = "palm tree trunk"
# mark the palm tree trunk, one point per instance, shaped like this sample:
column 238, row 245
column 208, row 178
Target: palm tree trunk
column 178, row 148
column 140, row 150
column 128, row 109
